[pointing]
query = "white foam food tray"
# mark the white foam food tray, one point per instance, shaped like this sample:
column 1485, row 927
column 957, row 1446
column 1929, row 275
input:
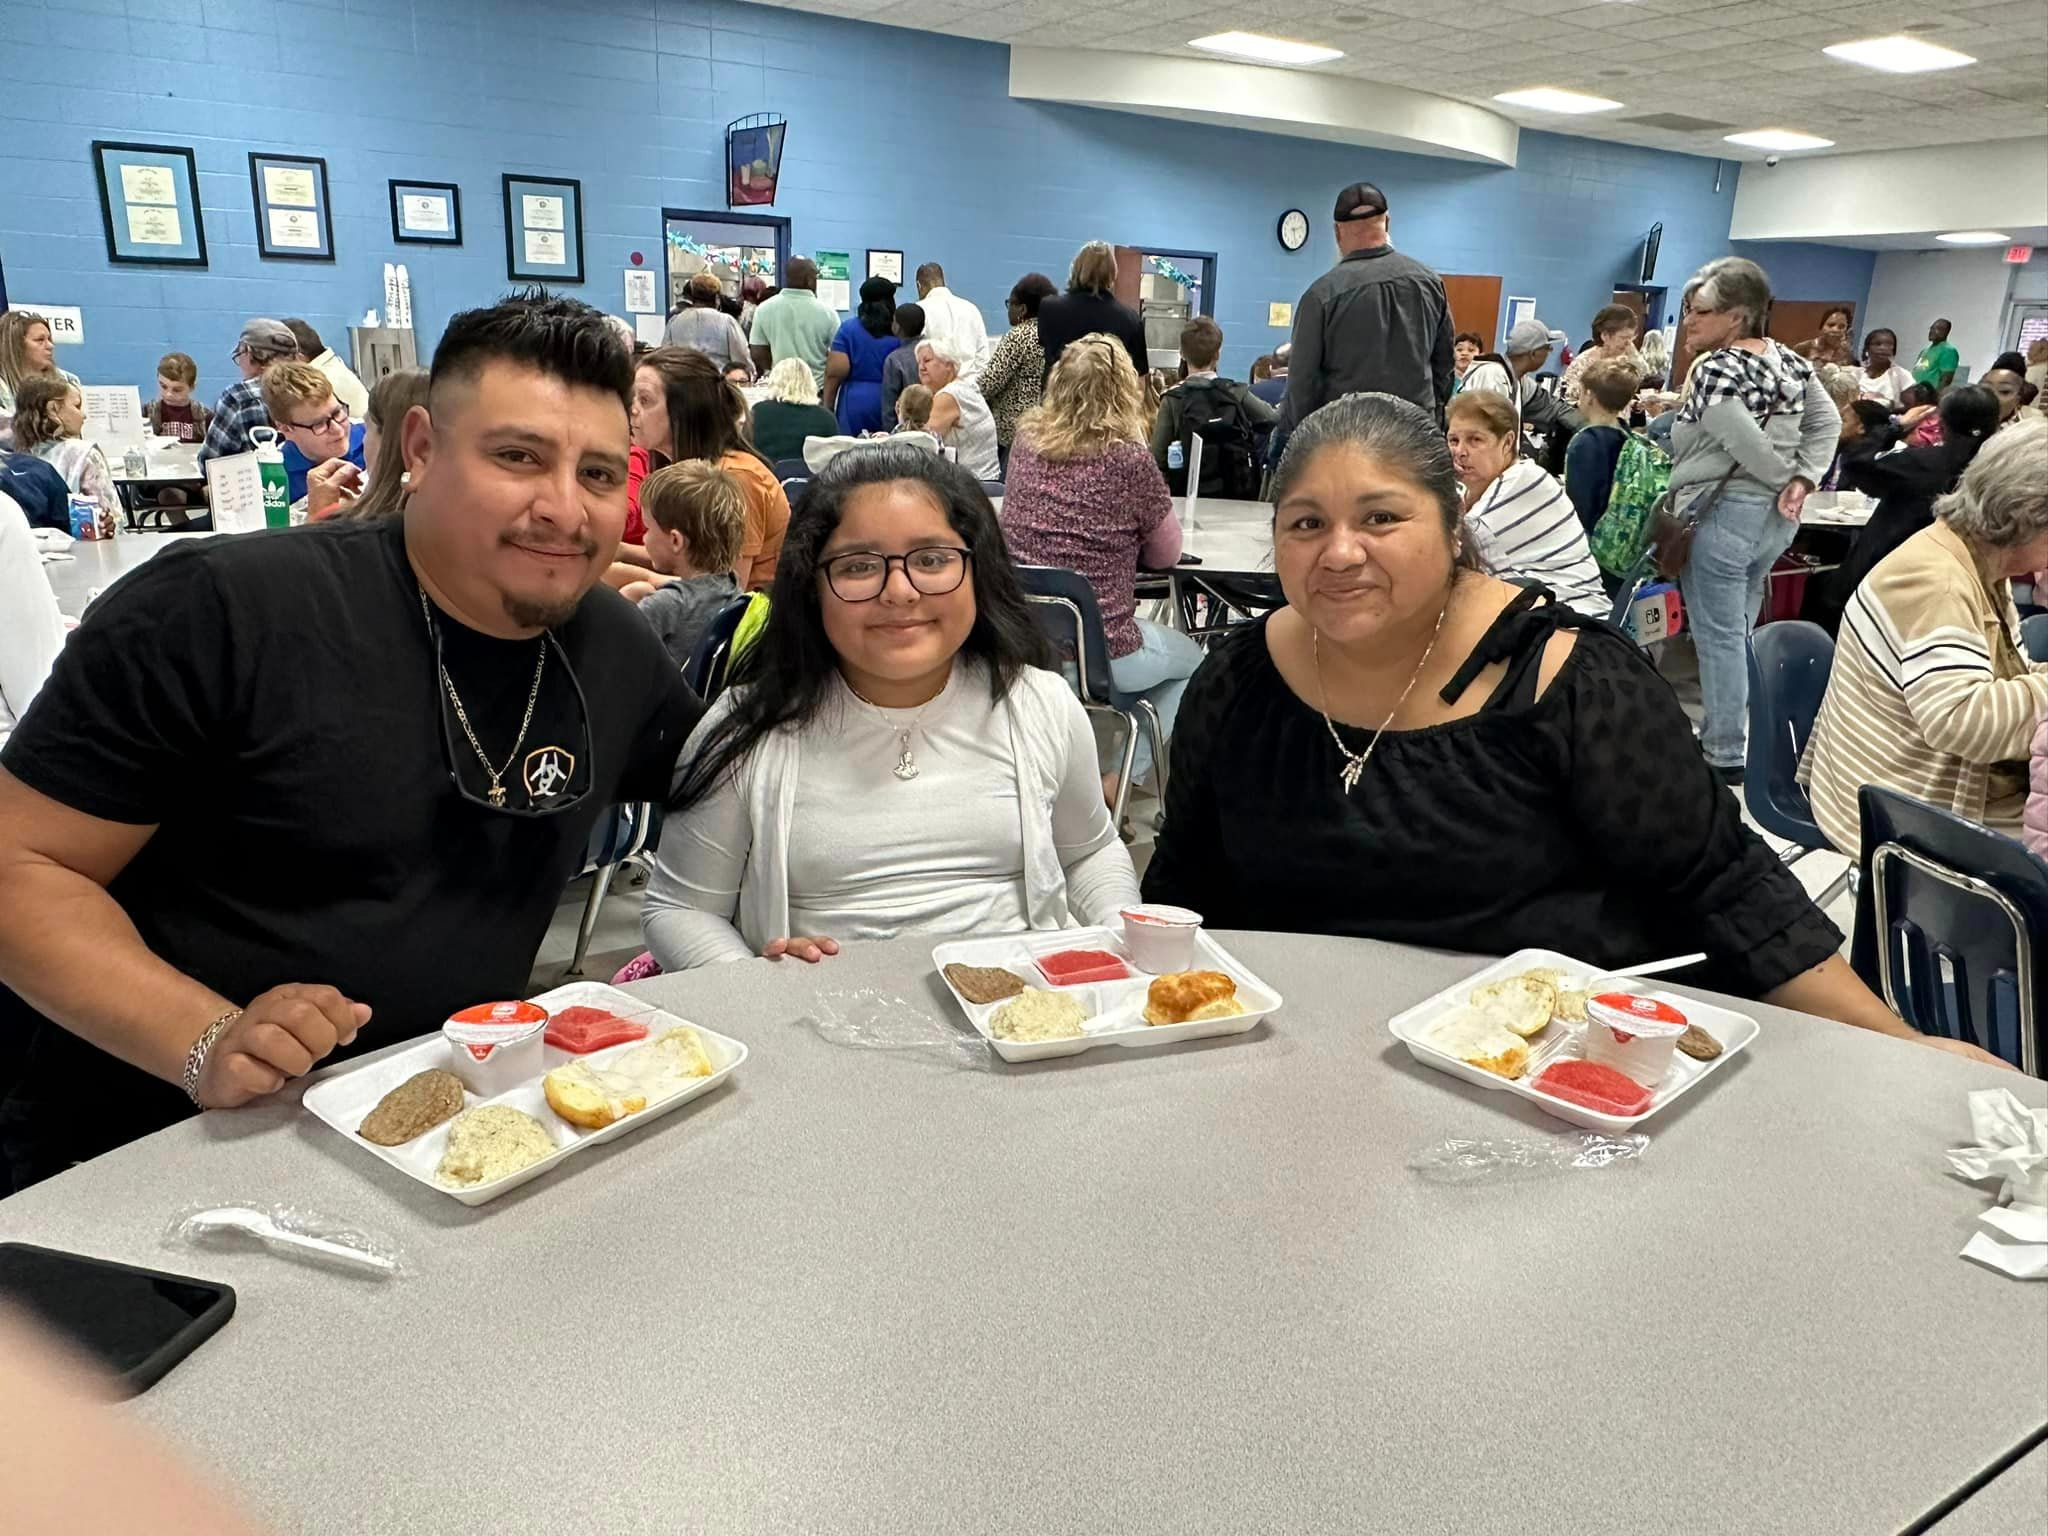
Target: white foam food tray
column 345, row 1096
column 1562, row 1042
column 1116, row 1009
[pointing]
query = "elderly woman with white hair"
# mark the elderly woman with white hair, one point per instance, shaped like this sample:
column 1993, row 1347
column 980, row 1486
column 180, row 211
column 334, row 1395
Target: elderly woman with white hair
column 960, row 419
column 791, row 413
column 1755, row 432
column 1931, row 693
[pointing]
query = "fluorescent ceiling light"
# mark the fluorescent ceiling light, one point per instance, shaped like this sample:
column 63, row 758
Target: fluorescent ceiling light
column 1898, row 55
column 1778, row 138
column 1976, row 237
column 1267, row 50
column 1548, row 98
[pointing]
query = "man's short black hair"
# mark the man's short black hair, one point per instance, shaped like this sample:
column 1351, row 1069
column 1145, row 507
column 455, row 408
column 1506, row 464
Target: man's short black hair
column 909, row 323
column 563, row 338
column 310, row 344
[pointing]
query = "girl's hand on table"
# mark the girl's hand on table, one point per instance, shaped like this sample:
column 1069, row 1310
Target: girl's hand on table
column 811, row 948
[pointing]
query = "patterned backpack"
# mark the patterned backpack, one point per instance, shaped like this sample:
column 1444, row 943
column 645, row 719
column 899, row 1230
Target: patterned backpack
column 1642, row 474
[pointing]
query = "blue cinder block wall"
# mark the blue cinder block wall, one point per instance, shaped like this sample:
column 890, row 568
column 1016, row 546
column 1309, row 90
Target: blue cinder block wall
column 898, row 139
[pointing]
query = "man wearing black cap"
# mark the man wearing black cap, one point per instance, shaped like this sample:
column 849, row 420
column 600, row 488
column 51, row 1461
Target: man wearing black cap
column 1378, row 320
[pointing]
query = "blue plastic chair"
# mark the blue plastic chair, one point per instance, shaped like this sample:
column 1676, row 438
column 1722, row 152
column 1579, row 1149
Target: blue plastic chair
column 2034, row 636
column 1949, row 922
column 623, row 832
column 1067, row 611
column 1789, row 663
column 993, row 489
column 708, row 664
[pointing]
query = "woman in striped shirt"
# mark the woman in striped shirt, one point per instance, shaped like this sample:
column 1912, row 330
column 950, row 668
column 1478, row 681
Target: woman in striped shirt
column 1517, row 515
column 1931, row 692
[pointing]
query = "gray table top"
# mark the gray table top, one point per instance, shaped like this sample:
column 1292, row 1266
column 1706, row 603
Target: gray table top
column 96, row 564
column 1193, row 1289
column 2015, row 1503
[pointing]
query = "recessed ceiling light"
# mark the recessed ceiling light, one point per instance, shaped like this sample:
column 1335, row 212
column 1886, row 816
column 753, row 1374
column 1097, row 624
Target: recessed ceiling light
column 1548, row 98
column 1898, row 55
column 1975, row 237
column 1267, row 50
column 1777, row 138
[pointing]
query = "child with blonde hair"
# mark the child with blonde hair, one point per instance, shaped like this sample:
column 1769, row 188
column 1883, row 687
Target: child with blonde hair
column 696, row 519
column 49, row 420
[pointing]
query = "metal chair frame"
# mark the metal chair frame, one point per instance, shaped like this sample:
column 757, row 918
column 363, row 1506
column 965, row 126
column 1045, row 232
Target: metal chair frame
column 638, row 817
column 1141, row 710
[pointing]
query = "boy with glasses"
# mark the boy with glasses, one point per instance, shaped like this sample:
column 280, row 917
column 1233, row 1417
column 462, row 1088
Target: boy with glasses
column 313, row 423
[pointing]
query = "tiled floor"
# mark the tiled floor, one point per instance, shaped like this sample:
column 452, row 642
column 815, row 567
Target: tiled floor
column 616, row 938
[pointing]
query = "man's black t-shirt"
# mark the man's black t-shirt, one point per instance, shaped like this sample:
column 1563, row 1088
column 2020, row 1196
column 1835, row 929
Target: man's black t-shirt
column 270, row 703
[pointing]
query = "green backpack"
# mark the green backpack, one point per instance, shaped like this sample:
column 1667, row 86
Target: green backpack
column 1642, row 474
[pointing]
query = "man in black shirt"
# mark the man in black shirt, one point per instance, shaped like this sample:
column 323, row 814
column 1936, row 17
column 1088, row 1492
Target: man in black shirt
column 300, row 791
column 1378, row 320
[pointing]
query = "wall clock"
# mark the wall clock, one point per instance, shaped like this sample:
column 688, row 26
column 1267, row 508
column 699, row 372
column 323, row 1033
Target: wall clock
column 1293, row 229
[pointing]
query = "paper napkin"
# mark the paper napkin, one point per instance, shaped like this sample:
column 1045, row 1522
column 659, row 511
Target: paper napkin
column 2011, row 1145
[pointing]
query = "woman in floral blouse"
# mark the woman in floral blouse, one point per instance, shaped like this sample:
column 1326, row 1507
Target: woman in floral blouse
column 1015, row 372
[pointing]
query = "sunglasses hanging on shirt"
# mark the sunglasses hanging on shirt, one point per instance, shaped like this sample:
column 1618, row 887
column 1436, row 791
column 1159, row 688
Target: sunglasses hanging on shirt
column 534, row 779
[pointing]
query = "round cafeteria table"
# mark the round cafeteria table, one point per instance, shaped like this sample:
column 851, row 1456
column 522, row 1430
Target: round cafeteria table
column 1194, row 1289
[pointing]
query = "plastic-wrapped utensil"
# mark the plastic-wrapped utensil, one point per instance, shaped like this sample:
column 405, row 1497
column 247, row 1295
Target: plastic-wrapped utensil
column 289, row 1230
column 1502, row 1160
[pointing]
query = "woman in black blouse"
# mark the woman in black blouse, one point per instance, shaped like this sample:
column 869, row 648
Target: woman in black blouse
column 1411, row 750
column 1090, row 305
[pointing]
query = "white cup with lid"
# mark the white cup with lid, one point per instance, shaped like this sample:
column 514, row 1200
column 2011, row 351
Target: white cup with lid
column 494, row 1047
column 1161, row 939
column 1634, row 1034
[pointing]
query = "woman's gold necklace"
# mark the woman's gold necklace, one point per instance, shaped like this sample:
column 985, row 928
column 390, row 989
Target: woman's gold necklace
column 1354, row 762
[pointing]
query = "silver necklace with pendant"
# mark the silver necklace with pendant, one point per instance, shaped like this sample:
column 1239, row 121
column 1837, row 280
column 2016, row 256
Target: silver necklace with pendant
column 906, row 760
column 1354, row 762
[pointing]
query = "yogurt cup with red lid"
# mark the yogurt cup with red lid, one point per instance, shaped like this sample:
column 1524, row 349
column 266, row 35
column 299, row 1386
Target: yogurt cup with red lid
column 494, row 1047
column 1634, row 1034
column 1160, row 938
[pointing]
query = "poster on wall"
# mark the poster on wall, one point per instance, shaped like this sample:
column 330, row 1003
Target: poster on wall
column 835, row 283
column 426, row 213
column 753, row 159
column 294, row 221
column 149, row 203
column 641, row 298
column 543, row 229
column 1518, row 311
column 887, row 264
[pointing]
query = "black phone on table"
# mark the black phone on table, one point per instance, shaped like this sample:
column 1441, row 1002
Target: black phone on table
column 135, row 1322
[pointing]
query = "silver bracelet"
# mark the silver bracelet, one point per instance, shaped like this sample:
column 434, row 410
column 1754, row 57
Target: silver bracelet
column 195, row 1059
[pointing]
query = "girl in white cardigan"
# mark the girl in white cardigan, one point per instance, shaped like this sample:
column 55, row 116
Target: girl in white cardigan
column 892, row 758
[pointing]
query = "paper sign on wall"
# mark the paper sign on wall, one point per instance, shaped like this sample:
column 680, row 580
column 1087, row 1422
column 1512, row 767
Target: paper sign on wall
column 155, row 226
column 67, row 324
column 835, row 285
column 1518, row 311
column 1279, row 314
column 640, row 299
column 149, row 184
column 234, row 488
column 651, row 329
column 113, row 415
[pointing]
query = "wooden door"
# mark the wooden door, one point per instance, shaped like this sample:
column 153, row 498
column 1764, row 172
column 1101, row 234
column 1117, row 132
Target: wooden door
column 1475, row 306
column 1635, row 299
column 1130, row 270
column 1795, row 320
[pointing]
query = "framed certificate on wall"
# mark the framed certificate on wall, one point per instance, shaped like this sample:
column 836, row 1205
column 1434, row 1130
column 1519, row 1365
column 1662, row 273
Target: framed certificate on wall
column 294, row 221
column 426, row 213
column 543, row 229
column 149, row 203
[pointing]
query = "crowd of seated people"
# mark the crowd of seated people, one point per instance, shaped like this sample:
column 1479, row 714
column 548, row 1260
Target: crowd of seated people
column 1438, row 738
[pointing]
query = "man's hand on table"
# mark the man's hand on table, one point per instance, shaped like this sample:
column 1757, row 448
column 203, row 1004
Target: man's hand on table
column 280, row 1035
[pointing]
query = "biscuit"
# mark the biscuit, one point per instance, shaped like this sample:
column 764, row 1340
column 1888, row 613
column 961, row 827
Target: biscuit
column 413, row 1108
column 1698, row 1044
column 1520, row 1003
column 1182, row 997
column 983, row 983
column 1571, row 1007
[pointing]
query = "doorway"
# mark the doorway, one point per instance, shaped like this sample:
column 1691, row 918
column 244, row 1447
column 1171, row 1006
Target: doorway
column 1167, row 289
column 733, row 246
column 1475, row 306
column 1795, row 320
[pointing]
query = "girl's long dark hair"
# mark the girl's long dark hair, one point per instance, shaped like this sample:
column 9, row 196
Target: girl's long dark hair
column 785, row 678
column 704, row 407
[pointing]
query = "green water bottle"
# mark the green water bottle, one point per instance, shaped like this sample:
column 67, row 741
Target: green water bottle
column 277, row 496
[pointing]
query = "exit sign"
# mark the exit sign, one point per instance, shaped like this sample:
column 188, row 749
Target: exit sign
column 2017, row 255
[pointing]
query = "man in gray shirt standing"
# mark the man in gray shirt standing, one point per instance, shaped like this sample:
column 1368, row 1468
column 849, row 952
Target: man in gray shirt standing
column 1378, row 320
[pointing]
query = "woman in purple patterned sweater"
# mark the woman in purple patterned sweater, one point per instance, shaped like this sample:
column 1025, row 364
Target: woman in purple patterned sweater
column 1083, row 492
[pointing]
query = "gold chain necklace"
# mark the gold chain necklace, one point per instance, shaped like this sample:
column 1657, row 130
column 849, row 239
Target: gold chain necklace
column 496, row 794
column 1354, row 762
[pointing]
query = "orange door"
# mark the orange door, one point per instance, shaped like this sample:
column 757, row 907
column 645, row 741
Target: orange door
column 1130, row 268
column 1475, row 306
